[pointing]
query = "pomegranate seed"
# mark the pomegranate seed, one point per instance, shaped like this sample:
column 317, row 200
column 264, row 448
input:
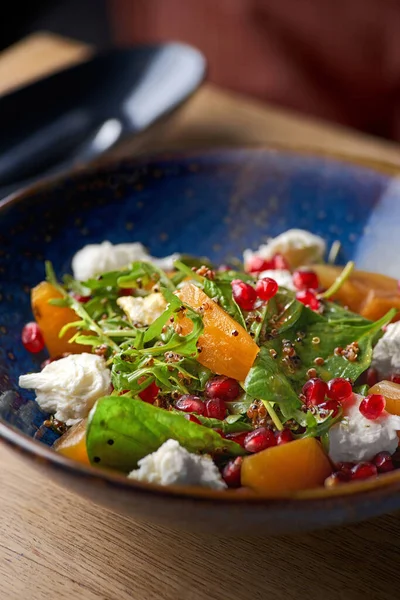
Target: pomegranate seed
column 309, row 299
column 220, row 432
column 372, row 406
column 149, row 394
column 305, row 280
column 364, row 470
column 192, row 418
column 244, row 295
column 266, row 288
column 259, row 439
column 222, row 387
column 257, row 264
column 331, row 405
column 237, row 437
column 189, row 403
column 339, row 389
column 82, row 299
column 345, row 466
column 337, row 478
column 395, row 378
column 215, row 409
column 371, row 377
column 283, row 437
column 383, row 462
column 125, row 292
column 280, row 262
column 315, row 391
column 231, row 472
column 32, row 338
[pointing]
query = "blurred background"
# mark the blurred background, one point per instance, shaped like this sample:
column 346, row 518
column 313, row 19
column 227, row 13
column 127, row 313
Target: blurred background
column 334, row 59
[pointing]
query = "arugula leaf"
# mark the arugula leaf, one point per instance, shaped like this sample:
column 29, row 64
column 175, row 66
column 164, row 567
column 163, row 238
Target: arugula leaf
column 266, row 381
column 222, row 294
column 227, row 426
column 121, row 431
column 142, row 274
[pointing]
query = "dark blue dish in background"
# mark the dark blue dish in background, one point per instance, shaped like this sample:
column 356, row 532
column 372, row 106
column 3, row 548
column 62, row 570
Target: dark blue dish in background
column 76, row 114
column 213, row 204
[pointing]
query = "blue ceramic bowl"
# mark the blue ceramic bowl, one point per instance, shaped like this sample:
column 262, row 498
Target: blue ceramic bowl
column 216, row 204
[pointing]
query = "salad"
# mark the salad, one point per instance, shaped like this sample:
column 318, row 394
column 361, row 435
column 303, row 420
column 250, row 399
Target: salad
column 278, row 374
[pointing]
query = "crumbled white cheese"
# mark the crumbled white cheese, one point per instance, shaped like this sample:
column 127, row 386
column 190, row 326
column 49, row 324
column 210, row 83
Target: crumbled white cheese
column 100, row 258
column 298, row 246
column 356, row 438
column 282, row 277
column 143, row 311
column 386, row 354
column 69, row 387
column 172, row 464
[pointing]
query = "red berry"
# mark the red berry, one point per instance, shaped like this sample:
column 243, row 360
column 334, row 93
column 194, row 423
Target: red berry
column 244, row 295
column 283, row 437
column 220, row 432
column 280, row 262
column 259, row 439
column 82, row 299
column 231, row 472
column 339, row 389
column 266, row 288
column 315, row 391
column 372, row 406
column 215, row 409
column 364, row 470
column 189, row 403
column 371, row 377
column 222, row 387
column 309, row 299
column 192, row 418
column 32, row 338
column 237, row 437
column 331, row 405
column 345, row 466
column 395, row 378
column 383, row 462
column 256, row 264
column 305, row 280
column 149, row 394
column 125, row 292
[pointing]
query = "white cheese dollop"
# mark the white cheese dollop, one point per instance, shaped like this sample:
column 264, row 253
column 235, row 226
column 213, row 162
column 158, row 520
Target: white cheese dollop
column 172, row 464
column 100, row 258
column 356, row 438
column 282, row 277
column 386, row 354
column 69, row 387
column 298, row 246
column 143, row 311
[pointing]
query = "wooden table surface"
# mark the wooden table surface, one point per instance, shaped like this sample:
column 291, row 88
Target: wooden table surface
column 55, row 545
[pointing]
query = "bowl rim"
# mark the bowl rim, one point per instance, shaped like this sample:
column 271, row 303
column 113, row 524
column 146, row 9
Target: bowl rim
column 387, row 483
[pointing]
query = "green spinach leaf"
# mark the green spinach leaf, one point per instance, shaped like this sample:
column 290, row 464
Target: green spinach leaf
column 121, row 431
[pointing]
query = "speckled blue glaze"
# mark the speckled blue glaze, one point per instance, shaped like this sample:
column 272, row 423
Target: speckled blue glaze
column 215, row 204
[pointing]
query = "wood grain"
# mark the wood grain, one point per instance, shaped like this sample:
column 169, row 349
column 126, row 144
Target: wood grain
column 57, row 546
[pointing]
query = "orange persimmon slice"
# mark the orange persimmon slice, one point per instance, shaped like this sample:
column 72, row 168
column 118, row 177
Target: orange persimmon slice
column 52, row 318
column 298, row 465
column 226, row 348
column 73, row 443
